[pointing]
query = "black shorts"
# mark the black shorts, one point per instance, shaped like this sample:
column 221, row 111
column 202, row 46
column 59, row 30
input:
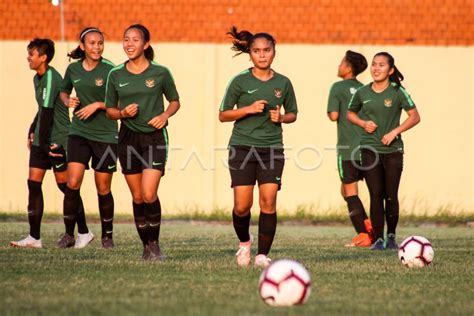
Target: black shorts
column 248, row 164
column 104, row 155
column 139, row 151
column 349, row 171
column 40, row 159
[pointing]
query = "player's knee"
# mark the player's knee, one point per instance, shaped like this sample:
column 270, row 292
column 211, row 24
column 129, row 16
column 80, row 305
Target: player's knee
column 242, row 209
column 267, row 205
column 103, row 189
column 149, row 197
column 74, row 183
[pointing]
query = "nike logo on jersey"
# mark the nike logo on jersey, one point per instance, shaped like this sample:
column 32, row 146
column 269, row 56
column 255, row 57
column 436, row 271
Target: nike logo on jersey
column 367, row 101
column 121, row 85
column 252, row 91
column 59, row 166
column 76, row 80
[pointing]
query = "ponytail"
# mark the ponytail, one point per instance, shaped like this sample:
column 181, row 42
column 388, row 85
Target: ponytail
column 78, row 53
column 396, row 77
column 149, row 52
column 243, row 40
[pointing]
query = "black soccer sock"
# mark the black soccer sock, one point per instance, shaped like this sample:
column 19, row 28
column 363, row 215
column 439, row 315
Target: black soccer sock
column 391, row 214
column 153, row 219
column 81, row 216
column 266, row 232
column 35, row 207
column 72, row 198
column 241, row 226
column 106, row 209
column 356, row 213
column 140, row 221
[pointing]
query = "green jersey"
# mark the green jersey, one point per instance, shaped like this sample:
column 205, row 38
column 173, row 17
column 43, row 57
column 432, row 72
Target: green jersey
column 384, row 109
column 348, row 135
column 90, row 88
column 145, row 89
column 257, row 129
column 47, row 89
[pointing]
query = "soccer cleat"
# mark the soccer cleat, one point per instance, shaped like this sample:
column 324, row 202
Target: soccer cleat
column 28, row 242
column 244, row 253
column 66, row 241
column 262, row 260
column 361, row 240
column 378, row 245
column 369, row 229
column 84, row 239
column 155, row 252
column 107, row 243
column 146, row 253
column 390, row 242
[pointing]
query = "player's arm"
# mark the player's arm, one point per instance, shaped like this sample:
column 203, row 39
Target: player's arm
column 236, row 114
column 412, row 120
column 160, row 121
column 333, row 105
column 355, row 105
column 31, row 131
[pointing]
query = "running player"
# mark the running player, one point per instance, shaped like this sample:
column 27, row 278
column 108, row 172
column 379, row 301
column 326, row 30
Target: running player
column 382, row 102
column 348, row 140
column 91, row 136
column 253, row 101
column 134, row 95
column 47, row 136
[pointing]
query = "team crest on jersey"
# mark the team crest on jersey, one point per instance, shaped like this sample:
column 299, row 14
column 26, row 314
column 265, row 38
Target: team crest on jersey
column 150, row 83
column 277, row 92
column 352, row 90
column 99, row 82
column 387, row 102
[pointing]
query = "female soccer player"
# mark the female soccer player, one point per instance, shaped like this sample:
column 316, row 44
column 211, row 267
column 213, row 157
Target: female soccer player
column 47, row 136
column 92, row 135
column 253, row 100
column 134, row 95
column 382, row 102
column 348, row 139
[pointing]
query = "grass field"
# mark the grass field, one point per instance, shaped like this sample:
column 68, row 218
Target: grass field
column 200, row 276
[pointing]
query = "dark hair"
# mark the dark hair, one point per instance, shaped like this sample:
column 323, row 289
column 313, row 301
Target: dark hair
column 44, row 46
column 243, row 40
column 78, row 53
column 396, row 76
column 149, row 53
column 357, row 62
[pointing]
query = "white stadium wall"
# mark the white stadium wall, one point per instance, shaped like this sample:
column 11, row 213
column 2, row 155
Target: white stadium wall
column 438, row 171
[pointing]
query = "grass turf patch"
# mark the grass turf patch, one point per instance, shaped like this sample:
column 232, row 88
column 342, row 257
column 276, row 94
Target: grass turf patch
column 200, row 276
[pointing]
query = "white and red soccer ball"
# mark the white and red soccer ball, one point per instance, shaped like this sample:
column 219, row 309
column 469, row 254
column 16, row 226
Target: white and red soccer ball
column 416, row 252
column 285, row 283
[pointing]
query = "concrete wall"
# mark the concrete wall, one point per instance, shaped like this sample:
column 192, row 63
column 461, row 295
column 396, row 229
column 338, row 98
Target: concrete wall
column 438, row 171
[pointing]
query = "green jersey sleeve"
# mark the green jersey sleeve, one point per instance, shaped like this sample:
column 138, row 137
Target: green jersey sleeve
column 355, row 104
column 333, row 100
column 169, row 87
column 111, row 95
column 50, row 91
column 231, row 96
column 290, row 99
column 66, row 84
column 406, row 102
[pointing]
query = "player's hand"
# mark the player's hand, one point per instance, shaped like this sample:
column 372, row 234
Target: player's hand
column 387, row 139
column 29, row 142
column 73, row 102
column 53, row 150
column 370, row 126
column 87, row 111
column 159, row 121
column 130, row 110
column 256, row 107
column 275, row 114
